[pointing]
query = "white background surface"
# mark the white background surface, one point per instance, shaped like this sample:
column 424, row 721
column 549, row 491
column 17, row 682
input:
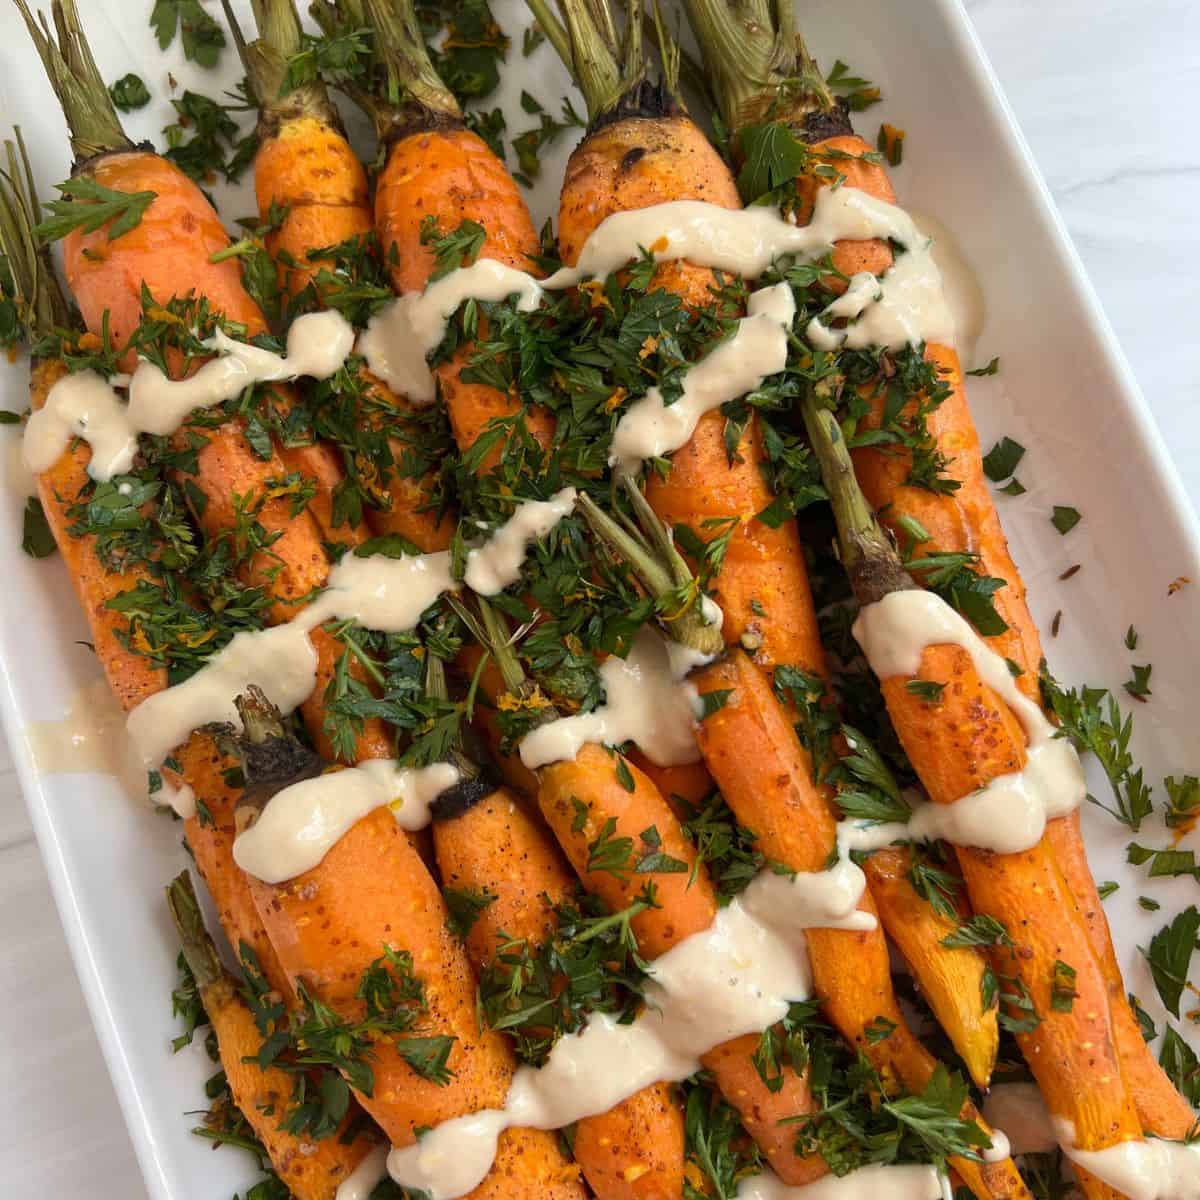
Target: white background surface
column 1106, row 92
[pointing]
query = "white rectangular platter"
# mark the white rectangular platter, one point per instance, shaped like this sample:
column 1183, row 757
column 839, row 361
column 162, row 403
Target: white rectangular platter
column 1064, row 392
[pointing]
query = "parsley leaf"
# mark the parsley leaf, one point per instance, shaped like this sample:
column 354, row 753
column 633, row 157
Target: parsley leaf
column 1065, row 518
column 88, row 206
column 993, row 368
column 980, row 930
column 202, row 37
column 1170, row 954
column 129, row 92
column 36, row 539
column 1001, row 460
column 466, row 905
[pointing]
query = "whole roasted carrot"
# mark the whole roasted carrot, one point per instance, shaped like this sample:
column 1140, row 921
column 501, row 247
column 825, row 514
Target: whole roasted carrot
column 438, row 171
column 637, row 157
column 958, row 519
column 312, row 1170
column 132, row 675
column 956, row 746
column 306, row 170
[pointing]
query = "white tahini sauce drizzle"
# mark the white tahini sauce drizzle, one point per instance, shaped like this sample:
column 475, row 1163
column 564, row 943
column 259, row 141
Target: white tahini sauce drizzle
column 647, row 700
column 398, row 339
column 758, row 348
column 1145, row 1169
column 90, row 736
column 87, row 406
column 736, row 977
column 902, row 307
column 738, row 241
column 896, row 1182
column 363, row 1180
column 83, row 405
column 388, row 594
column 300, row 824
column 497, row 563
column 1020, row 1110
column 1010, row 814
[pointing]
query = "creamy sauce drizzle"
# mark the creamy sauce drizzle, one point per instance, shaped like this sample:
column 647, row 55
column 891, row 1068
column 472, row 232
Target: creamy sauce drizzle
column 300, row 824
column 1010, row 813
column 758, row 348
column 867, row 1183
column 399, row 339
column 87, row 406
column 90, row 736
column 743, row 242
column 388, row 594
column 363, row 1180
column 647, row 700
column 1146, row 1169
column 497, row 563
column 736, row 977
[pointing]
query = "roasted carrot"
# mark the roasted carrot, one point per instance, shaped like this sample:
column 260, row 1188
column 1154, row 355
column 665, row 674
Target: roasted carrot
column 1070, row 1050
column 497, row 848
column 312, row 1170
column 913, row 925
column 757, row 760
column 132, row 676
column 306, row 169
column 107, row 278
column 647, row 156
column 762, row 584
column 438, row 171
column 437, row 174
column 331, row 934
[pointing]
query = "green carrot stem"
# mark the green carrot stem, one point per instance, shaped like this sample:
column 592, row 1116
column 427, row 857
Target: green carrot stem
column 267, row 61
column 400, row 90
column 759, row 67
column 40, row 303
column 867, row 552
column 660, row 567
column 93, row 122
column 608, row 67
column 437, row 688
column 198, row 949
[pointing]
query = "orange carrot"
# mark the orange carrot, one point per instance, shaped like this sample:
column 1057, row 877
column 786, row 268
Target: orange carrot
column 1070, row 1049
column 311, row 1170
column 306, row 169
column 967, row 520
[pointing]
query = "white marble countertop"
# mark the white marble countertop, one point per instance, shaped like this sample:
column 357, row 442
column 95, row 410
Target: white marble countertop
column 1106, row 92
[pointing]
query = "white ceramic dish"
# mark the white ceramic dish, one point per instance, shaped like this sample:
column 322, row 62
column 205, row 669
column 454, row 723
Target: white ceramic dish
column 1065, row 392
